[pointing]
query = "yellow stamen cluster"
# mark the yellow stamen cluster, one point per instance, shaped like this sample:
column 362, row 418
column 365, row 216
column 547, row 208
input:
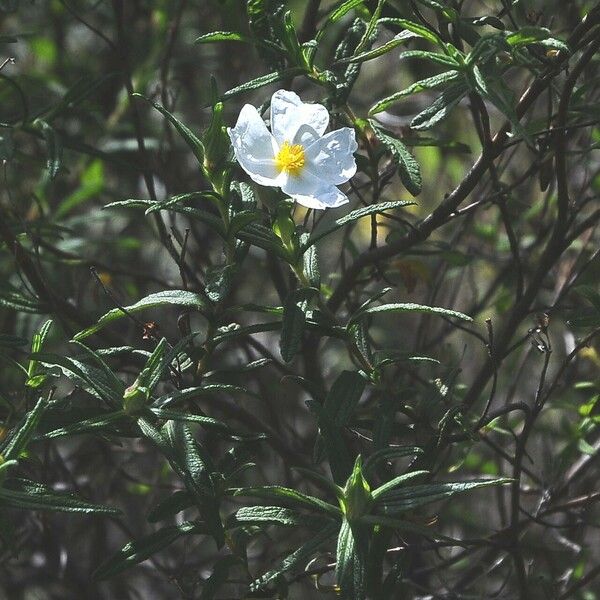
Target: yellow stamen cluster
column 290, row 158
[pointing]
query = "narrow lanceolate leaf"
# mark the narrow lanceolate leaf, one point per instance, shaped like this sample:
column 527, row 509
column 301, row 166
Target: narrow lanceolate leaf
column 287, row 496
column 170, row 298
column 343, row 398
column 408, row 167
column 403, row 499
column 344, row 9
column 175, row 415
column 93, row 380
column 434, row 57
column 379, row 51
column 351, row 567
column 424, row 84
column 196, row 466
column 232, row 36
column 294, row 322
column 417, row 28
column 441, row 107
column 354, row 216
column 297, row 558
column 262, row 81
column 410, row 307
column 179, row 396
column 275, row 515
column 395, row 482
column 188, row 136
column 335, row 414
column 18, row 440
column 196, row 214
column 98, row 424
column 29, row 495
column 499, row 94
column 14, row 300
column 532, row 35
column 134, row 553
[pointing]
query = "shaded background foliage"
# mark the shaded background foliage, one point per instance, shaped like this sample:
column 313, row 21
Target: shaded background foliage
column 501, row 227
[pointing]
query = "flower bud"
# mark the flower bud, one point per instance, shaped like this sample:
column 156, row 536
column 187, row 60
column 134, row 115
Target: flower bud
column 134, row 398
column 357, row 493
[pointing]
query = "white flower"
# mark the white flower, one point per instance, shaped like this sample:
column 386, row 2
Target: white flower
column 296, row 155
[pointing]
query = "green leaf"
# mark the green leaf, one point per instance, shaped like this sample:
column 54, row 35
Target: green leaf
column 232, row 36
column 259, row 82
column 294, row 321
column 194, row 213
column 97, row 424
column 191, row 463
column 449, row 13
column 417, row 29
column 498, row 93
column 155, row 366
column 167, row 298
column 196, row 466
column 370, row 31
column 401, row 500
column 343, row 398
column 338, row 453
column 186, row 394
column 419, row 86
column 188, row 136
column 434, row 57
column 408, row 167
column 14, row 300
column 441, row 107
column 172, row 201
column 532, row 35
column 29, row 495
column 311, row 263
column 350, row 570
column 98, row 382
column 136, row 552
column 203, row 420
column 395, row 482
column 22, row 434
column 219, row 281
column 275, row 515
column 354, row 216
column 34, row 378
column 344, row 9
column 287, row 495
column 263, row 237
column 410, row 307
column 304, row 553
column 376, row 52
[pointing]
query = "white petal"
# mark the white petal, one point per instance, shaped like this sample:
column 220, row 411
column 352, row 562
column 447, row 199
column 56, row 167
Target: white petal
column 254, row 147
column 288, row 113
column 310, row 191
column 332, row 156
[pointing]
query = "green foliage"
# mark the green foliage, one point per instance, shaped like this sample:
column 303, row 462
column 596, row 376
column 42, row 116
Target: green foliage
column 234, row 395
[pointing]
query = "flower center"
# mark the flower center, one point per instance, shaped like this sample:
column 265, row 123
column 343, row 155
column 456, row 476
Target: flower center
column 290, row 158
